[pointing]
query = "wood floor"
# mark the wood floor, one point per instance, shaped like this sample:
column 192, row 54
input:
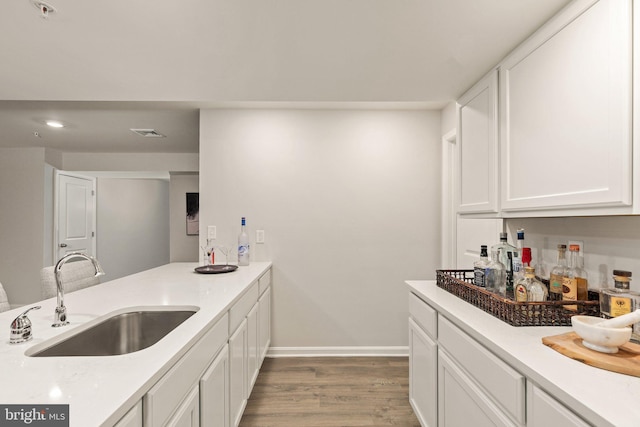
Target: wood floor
column 331, row 391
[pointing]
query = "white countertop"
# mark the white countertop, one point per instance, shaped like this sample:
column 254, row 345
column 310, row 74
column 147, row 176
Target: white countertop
column 603, row 398
column 100, row 389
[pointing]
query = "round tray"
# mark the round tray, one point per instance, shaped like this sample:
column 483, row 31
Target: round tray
column 215, row 269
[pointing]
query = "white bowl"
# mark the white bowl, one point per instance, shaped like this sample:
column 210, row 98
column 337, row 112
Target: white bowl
column 605, row 340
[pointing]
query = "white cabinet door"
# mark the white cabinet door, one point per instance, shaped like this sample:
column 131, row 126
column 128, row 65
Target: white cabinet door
column 461, row 403
column 214, row 392
column 565, row 112
column 188, row 414
column 477, row 147
column 238, row 373
column 423, row 375
column 264, row 326
column 133, row 418
column 252, row 348
column 543, row 411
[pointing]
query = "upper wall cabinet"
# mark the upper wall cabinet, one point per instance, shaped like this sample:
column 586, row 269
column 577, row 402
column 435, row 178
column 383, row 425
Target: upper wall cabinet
column 477, row 112
column 565, row 112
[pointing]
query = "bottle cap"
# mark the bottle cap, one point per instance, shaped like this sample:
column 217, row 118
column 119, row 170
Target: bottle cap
column 526, row 255
column 520, row 233
column 563, row 247
column 575, row 248
column 622, row 273
column 503, row 236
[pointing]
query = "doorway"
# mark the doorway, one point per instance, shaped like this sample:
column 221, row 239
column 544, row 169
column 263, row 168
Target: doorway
column 74, row 214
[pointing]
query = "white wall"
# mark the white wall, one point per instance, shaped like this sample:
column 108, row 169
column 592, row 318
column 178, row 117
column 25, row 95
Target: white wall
column 349, row 201
column 183, row 247
column 132, row 225
column 21, row 222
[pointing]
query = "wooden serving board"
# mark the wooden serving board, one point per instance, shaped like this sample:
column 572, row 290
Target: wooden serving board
column 625, row 361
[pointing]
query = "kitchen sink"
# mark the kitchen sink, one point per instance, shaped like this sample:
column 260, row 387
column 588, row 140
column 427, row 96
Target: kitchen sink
column 117, row 333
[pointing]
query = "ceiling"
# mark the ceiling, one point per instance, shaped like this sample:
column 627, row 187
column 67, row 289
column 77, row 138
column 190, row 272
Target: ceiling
column 105, row 67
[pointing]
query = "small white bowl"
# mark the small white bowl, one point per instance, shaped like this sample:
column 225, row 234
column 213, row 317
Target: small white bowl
column 605, row 340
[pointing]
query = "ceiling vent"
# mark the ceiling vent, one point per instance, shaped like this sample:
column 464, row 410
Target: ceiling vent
column 148, row 133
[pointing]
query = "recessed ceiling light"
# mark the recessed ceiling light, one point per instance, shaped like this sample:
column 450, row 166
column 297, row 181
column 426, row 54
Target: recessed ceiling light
column 54, row 124
column 148, row 133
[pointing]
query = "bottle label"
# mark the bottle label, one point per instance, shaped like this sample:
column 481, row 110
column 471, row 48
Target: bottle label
column 243, row 254
column 570, row 291
column 521, row 293
column 620, row 306
column 555, row 283
column 478, row 277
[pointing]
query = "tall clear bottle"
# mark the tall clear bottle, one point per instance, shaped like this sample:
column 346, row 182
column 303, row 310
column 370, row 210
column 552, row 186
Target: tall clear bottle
column 496, row 274
column 480, row 266
column 574, row 283
column 556, row 275
column 506, row 253
column 518, row 257
column 243, row 244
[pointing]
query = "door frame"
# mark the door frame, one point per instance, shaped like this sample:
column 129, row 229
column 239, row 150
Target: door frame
column 56, row 208
column 449, row 200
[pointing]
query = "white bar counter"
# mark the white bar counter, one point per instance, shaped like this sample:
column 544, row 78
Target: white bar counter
column 601, row 397
column 100, row 389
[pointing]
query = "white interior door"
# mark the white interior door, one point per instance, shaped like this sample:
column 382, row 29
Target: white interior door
column 75, row 219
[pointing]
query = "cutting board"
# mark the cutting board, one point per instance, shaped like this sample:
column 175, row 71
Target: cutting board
column 625, row 361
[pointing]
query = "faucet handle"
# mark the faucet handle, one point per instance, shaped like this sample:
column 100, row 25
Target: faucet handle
column 21, row 327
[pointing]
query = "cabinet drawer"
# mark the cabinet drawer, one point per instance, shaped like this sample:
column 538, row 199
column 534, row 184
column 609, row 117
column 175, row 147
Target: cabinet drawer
column 424, row 315
column 504, row 384
column 164, row 397
column 264, row 281
column 241, row 308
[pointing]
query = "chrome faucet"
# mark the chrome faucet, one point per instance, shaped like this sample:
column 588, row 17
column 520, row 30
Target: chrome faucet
column 60, row 315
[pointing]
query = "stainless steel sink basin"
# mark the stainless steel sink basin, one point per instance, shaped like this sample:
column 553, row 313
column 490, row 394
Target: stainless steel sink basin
column 115, row 334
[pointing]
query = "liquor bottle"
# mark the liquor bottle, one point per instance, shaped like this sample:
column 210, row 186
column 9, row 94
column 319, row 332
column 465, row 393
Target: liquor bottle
column 574, row 283
column 529, row 288
column 506, row 258
column 479, row 267
column 243, row 245
column 518, row 258
column 620, row 300
column 495, row 276
column 557, row 273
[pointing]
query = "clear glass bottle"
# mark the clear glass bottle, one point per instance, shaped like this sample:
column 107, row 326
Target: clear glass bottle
column 480, row 266
column 518, row 257
column 574, row 283
column 620, row 300
column 496, row 274
column 506, row 258
column 243, row 244
column 557, row 273
column 529, row 288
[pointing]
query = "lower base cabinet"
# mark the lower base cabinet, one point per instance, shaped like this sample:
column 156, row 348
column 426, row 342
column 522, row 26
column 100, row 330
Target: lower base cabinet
column 423, row 374
column 238, row 373
column 456, row 390
column 133, row 418
column 188, row 413
column 543, row 410
column 212, row 392
column 214, row 396
column 454, row 381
